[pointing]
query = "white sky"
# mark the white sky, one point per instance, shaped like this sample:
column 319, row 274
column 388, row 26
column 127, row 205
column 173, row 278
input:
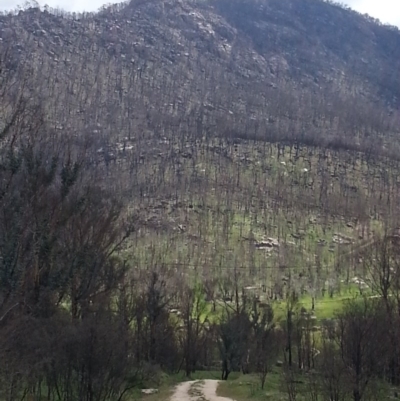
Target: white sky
column 388, row 11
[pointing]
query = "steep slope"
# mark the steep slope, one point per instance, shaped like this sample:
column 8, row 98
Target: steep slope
column 290, row 70
column 318, row 39
column 196, row 114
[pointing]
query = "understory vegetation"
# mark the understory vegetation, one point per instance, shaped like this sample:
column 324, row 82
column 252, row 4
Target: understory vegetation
column 127, row 262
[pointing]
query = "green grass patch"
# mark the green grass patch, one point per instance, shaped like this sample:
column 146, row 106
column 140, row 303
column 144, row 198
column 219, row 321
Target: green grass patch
column 247, row 387
column 324, row 307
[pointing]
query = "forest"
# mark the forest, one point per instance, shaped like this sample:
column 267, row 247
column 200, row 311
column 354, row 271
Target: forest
column 208, row 212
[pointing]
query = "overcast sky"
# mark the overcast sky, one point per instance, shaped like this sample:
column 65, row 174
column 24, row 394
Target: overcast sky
column 388, row 11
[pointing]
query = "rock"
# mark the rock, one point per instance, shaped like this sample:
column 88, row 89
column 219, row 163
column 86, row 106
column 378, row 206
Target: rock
column 274, row 242
column 279, row 363
column 341, row 239
column 149, row 391
column 268, row 243
column 300, row 234
column 263, row 244
column 250, row 288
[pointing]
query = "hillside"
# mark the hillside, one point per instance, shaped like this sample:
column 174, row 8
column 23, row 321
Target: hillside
column 302, row 70
column 225, row 123
column 197, row 185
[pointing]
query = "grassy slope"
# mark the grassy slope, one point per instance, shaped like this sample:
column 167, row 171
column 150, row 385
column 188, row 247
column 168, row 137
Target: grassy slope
column 208, row 210
column 206, row 222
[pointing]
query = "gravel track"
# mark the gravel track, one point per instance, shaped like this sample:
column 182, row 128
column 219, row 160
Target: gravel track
column 198, row 390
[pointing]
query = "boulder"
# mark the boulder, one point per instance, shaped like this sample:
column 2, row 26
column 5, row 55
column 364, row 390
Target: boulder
column 149, row 391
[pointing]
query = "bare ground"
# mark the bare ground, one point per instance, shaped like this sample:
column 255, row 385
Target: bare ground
column 198, row 390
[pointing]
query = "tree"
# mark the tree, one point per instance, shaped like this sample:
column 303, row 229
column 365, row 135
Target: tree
column 234, row 328
column 266, row 341
column 60, row 231
column 332, row 375
column 195, row 325
column 291, row 307
column 233, row 341
column 381, row 263
column 360, row 336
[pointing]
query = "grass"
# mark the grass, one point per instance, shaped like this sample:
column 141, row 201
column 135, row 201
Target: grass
column 204, row 223
column 324, row 308
column 247, row 387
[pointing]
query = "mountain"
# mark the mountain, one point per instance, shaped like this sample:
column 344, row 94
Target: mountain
column 186, row 183
column 296, row 70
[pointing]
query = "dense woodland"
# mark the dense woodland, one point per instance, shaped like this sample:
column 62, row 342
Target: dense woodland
column 182, row 182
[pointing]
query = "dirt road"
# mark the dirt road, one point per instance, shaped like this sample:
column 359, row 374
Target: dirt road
column 198, row 390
